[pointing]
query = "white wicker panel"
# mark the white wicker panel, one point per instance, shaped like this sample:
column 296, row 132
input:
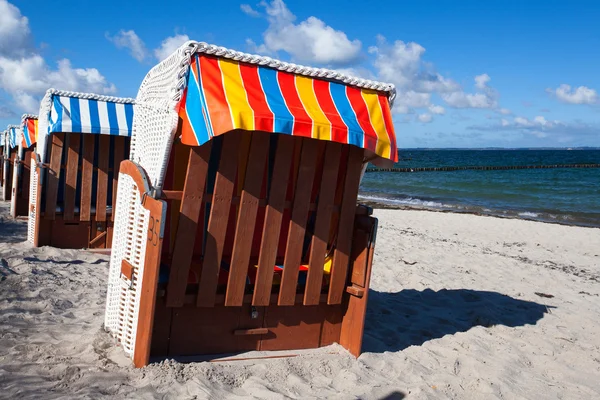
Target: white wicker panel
column 153, row 130
column 33, row 181
column 129, row 243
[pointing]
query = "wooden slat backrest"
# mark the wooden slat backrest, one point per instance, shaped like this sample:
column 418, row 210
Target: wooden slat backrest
column 218, row 220
column 53, row 173
column 242, row 245
column 341, row 256
column 119, row 143
column 297, row 227
column 102, row 188
column 258, row 200
column 72, row 167
column 323, row 220
column 272, row 222
column 188, row 224
column 87, row 172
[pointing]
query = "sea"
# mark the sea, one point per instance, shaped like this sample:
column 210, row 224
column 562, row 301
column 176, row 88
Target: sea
column 559, row 195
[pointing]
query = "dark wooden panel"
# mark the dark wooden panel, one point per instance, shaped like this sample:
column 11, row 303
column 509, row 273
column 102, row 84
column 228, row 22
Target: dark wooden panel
column 102, row 191
column 68, row 235
column 314, row 281
column 341, row 257
column 272, row 224
column 53, row 174
column 353, row 322
column 119, row 155
column 242, row 244
column 161, row 329
column 293, row 327
column 87, row 169
column 188, row 224
column 295, row 240
column 71, row 175
column 218, row 220
column 332, row 325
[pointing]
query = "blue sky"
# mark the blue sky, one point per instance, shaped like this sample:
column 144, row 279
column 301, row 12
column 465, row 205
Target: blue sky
column 468, row 73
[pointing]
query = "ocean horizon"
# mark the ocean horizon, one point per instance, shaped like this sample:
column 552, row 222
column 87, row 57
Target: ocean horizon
column 559, row 195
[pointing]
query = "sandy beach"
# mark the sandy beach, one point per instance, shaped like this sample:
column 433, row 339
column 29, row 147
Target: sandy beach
column 461, row 306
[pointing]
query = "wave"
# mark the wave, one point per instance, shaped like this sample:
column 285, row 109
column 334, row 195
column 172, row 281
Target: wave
column 438, row 205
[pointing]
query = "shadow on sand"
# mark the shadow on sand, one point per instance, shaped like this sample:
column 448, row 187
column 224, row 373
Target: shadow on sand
column 396, row 321
column 12, row 231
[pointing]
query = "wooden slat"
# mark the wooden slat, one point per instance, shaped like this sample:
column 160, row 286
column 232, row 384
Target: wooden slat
column 87, row 169
column 358, row 275
column 53, row 174
column 272, row 224
column 320, row 238
column 126, row 269
column 102, row 189
column 355, row 291
column 244, row 231
column 353, row 323
column 254, row 331
column 71, row 175
column 187, row 227
column 217, row 222
column 119, row 155
column 341, row 256
column 295, row 240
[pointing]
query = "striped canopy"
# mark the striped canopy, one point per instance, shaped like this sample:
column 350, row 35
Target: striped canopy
column 224, row 94
column 63, row 111
column 30, row 128
column 82, row 115
column 12, row 136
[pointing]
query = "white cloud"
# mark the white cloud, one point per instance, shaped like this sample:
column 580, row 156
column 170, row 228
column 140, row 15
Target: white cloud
column 486, row 97
column 310, row 41
column 425, row 118
column 25, row 75
column 402, row 63
column 248, row 10
column 131, row 41
column 481, row 81
column 437, row 109
column 579, row 95
column 169, row 45
column 15, row 35
column 504, row 111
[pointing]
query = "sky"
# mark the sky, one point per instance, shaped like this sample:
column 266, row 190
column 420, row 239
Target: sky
column 468, row 73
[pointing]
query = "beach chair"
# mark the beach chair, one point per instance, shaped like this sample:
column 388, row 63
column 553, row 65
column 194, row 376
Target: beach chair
column 25, row 158
column 82, row 139
column 2, row 143
column 10, row 156
column 237, row 226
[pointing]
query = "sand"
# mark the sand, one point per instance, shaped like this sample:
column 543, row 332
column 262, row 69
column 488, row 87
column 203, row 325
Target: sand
column 453, row 313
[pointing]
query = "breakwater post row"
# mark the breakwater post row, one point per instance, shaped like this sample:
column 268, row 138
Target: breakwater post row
column 482, row 167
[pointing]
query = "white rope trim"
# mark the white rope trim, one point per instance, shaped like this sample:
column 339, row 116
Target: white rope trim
column 90, row 96
column 26, row 117
column 191, row 48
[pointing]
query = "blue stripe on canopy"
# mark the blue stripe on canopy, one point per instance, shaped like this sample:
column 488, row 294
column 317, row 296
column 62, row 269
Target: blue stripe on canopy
column 72, row 114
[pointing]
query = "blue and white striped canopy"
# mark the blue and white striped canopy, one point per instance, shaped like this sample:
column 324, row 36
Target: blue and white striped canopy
column 63, row 111
column 73, row 114
column 12, row 136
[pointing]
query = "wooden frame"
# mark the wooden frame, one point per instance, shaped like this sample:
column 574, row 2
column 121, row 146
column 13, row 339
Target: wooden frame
column 21, row 185
column 77, row 189
column 230, row 211
column 7, row 173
